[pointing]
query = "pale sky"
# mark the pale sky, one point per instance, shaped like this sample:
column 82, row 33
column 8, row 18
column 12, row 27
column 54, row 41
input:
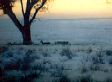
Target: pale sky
column 78, row 9
column 81, row 8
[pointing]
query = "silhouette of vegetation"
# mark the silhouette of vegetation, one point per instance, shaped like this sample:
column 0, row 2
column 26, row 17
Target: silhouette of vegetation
column 36, row 5
column 64, row 79
column 86, row 78
column 67, row 52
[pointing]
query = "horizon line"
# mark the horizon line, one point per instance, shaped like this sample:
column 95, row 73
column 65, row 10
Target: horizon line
column 88, row 18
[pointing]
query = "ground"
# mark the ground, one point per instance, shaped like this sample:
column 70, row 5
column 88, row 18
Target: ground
column 56, row 63
column 87, row 57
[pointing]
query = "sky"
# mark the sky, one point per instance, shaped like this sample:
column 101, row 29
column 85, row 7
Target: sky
column 81, row 8
column 76, row 9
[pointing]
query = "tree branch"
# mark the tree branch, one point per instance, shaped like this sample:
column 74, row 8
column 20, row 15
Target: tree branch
column 27, row 5
column 22, row 7
column 15, row 20
column 37, row 9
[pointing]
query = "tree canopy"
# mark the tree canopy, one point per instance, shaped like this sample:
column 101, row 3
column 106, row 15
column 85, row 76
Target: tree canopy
column 7, row 5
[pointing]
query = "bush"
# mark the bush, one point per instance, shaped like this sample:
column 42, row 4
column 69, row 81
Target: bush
column 3, row 49
column 17, row 67
column 110, row 61
column 108, row 80
column 98, row 58
column 84, row 70
column 64, row 79
column 58, row 72
column 86, row 78
column 95, row 67
column 45, row 54
column 67, row 52
column 109, row 52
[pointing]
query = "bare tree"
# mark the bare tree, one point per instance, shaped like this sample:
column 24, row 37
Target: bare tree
column 7, row 5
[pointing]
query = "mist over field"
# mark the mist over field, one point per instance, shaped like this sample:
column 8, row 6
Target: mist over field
column 75, row 31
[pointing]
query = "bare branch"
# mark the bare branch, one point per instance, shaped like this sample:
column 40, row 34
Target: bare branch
column 14, row 19
column 22, row 7
column 37, row 9
column 27, row 5
column 6, row 6
column 30, row 4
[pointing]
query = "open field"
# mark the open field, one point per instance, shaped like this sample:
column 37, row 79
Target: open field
column 78, row 51
column 56, row 63
column 76, row 31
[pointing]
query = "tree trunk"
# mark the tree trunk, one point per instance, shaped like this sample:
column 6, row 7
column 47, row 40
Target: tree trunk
column 26, row 35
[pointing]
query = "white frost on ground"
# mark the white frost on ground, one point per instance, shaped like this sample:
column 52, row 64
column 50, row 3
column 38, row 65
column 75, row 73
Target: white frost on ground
column 58, row 63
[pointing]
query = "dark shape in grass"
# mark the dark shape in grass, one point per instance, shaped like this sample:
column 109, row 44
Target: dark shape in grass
column 45, row 43
column 108, row 80
column 67, row 52
column 62, row 42
column 95, row 67
column 45, row 54
column 64, row 79
column 110, row 61
column 109, row 52
column 90, row 50
column 85, row 79
column 98, row 59
column 3, row 49
column 29, row 78
column 84, row 70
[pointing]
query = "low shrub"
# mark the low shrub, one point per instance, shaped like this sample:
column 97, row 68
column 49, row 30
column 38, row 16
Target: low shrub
column 67, row 52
